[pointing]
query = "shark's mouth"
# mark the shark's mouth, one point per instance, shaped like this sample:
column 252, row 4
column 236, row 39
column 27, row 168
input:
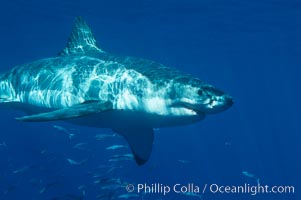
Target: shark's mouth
column 208, row 106
column 188, row 107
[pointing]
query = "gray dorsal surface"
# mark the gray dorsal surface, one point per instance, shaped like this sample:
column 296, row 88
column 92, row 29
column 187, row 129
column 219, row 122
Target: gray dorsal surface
column 81, row 39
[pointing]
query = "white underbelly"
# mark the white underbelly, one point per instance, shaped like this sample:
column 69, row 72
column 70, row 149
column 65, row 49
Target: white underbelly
column 118, row 118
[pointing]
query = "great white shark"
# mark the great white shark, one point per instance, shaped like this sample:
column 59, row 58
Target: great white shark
column 85, row 85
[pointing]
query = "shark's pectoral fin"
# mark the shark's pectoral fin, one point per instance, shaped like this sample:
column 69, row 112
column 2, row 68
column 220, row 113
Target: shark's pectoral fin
column 80, row 110
column 141, row 142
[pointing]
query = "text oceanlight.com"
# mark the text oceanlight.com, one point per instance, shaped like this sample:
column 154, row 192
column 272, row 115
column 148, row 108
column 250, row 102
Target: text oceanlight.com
column 192, row 188
column 251, row 189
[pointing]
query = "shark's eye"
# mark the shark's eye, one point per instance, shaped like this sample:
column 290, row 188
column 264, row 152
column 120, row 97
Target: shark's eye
column 200, row 92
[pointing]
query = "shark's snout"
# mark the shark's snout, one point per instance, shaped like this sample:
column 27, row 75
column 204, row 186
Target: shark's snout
column 217, row 104
column 210, row 100
column 205, row 99
column 228, row 100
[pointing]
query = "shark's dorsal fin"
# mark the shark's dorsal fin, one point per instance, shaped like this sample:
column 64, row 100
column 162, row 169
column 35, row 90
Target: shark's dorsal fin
column 81, row 39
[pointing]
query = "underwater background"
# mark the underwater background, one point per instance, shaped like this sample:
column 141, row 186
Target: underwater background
column 248, row 48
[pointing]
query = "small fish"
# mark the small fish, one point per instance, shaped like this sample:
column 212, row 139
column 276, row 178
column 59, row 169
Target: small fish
column 228, row 144
column 184, row 161
column 48, row 186
column 81, row 187
column 64, row 130
column 120, row 159
column 23, row 169
column 42, row 190
column 80, row 146
column 104, row 136
column 127, row 196
column 192, row 194
column 97, row 175
column 127, row 155
column 60, row 128
column 43, row 151
column 113, row 147
column 106, row 181
column 113, row 168
column 3, row 144
column 247, row 174
column 111, row 187
column 73, row 162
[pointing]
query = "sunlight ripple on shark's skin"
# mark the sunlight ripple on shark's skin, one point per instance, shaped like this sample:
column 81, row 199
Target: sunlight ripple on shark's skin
column 87, row 86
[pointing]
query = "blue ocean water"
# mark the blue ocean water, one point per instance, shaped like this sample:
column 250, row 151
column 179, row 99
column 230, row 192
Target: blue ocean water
column 250, row 49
